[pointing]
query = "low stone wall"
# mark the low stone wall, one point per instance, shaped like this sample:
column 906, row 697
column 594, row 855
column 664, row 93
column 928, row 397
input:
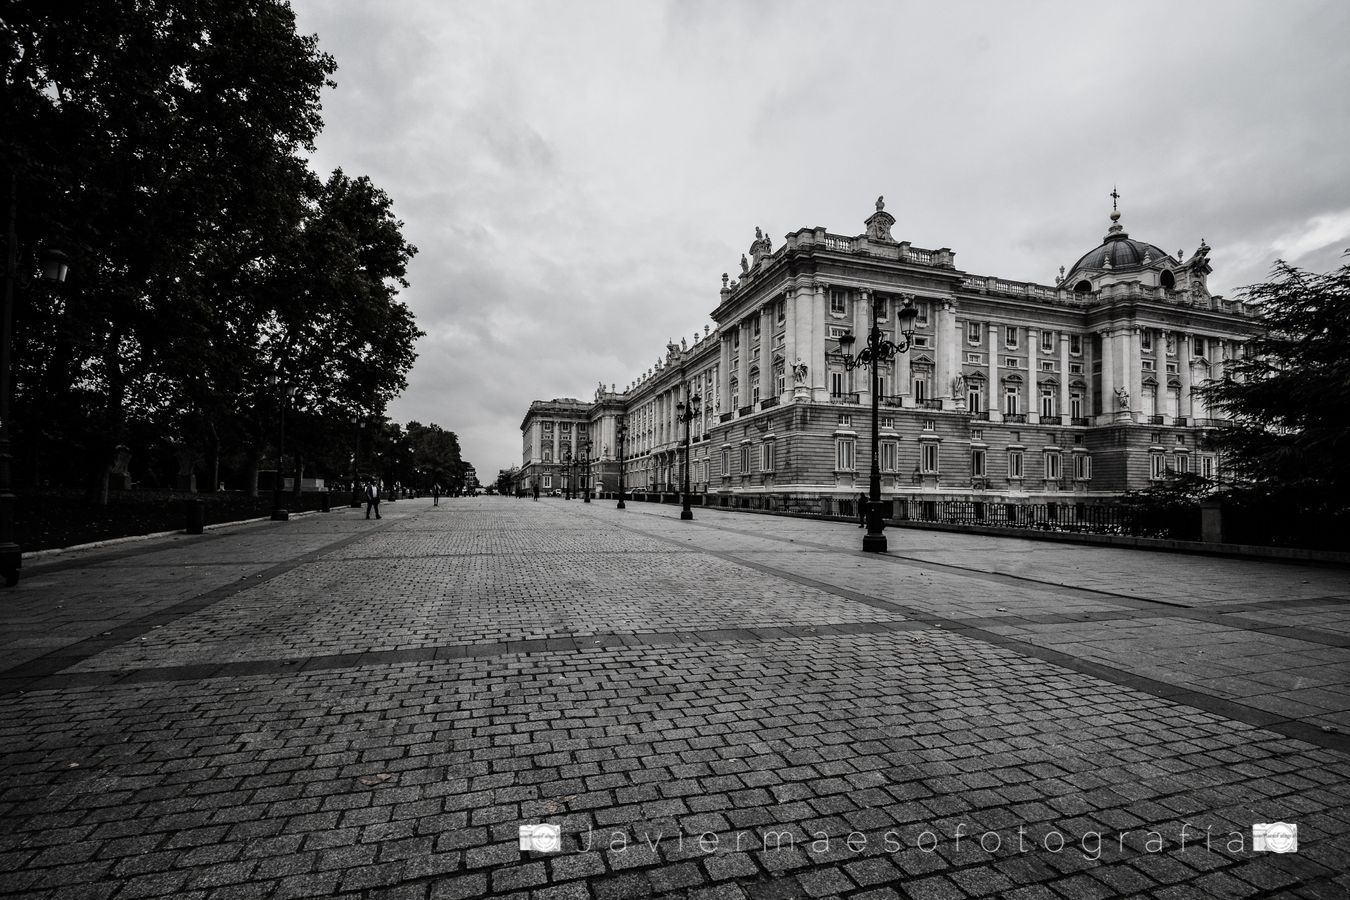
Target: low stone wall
column 846, row 511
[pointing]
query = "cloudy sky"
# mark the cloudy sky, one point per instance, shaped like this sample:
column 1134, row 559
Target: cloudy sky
column 577, row 174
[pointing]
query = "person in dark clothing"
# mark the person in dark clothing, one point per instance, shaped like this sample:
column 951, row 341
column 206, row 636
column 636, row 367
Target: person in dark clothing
column 436, row 494
column 536, row 491
column 372, row 500
column 862, row 510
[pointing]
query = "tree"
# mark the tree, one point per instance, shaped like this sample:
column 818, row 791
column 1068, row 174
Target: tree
column 162, row 143
column 1288, row 396
column 436, row 457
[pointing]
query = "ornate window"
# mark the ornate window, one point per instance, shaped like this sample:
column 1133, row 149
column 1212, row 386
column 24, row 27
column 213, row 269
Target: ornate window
column 838, row 302
column 844, row 455
column 928, row 457
column 888, row 456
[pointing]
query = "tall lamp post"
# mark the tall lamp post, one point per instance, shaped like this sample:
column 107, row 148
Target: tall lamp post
column 621, row 432
column 567, row 475
column 877, row 351
column 54, row 266
column 356, row 462
column 586, row 472
column 279, row 513
column 685, row 412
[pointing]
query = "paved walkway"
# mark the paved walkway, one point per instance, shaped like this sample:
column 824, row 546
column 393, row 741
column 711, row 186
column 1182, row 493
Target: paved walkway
column 742, row 706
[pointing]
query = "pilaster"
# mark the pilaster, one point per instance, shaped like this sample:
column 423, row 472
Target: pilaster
column 1033, row 376
column 994, row 402
column 1108, row 378
column 1064, row 377
column 1134, row 362
column 819, row 376
column 862, row 329
column 789, row 342
column 766, row 325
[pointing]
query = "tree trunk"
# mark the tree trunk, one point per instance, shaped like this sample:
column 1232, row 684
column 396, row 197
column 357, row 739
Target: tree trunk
column 215, row 457
column 299, row 474
column 251, row 472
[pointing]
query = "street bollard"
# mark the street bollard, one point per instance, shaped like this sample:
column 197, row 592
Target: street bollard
column 325, row 502
column 195, row 516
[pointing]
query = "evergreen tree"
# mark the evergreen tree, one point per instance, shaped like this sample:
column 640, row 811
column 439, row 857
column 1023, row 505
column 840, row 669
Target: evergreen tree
column 1288, row 396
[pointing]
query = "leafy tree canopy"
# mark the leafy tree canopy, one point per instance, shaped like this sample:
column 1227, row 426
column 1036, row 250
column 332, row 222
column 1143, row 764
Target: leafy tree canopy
column 1288, row 396
column 162, row 144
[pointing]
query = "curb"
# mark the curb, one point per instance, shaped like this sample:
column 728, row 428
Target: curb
column 37, row 555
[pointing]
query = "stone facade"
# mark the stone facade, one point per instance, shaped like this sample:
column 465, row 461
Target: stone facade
column 1011, row 391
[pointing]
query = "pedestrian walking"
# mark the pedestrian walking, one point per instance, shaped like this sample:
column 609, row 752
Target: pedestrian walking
column 435, row 494
column 372, row 500
column 862, row 510
column 536, row 492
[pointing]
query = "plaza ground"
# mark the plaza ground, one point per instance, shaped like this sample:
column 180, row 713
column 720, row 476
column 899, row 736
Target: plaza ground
column 741, row 706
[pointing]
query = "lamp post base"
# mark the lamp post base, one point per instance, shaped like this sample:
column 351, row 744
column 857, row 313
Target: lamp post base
column 280, row 515
column 874, row 543
column 686, row 514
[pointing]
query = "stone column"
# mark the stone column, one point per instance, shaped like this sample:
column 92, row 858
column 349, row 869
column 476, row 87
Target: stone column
column 789, row 341
column 743, row 366
column 766, row 327
column 818, row 374
column 946, row 362
column 1033, row 375
column 1186, row 363
column 1064, row 378
column 994, row 402
column 862, row 327
column 724, row 374
column 1109, row 404
column 1134, row 373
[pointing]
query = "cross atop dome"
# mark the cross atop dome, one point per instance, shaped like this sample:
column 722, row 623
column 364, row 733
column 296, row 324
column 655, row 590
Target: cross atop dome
column 1116, row 230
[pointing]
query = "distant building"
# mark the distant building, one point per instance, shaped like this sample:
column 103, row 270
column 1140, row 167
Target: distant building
column 1013, row 391
column 554, row 432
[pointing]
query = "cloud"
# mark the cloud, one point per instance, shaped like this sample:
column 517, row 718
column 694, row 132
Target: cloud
column 577, row 176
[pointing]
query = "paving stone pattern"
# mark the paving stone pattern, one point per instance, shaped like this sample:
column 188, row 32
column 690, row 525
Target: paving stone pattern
column 741, row 706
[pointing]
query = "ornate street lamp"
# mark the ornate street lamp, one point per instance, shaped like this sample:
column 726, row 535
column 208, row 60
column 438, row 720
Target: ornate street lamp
column 685, row 412
column 279, row 513
column 586, row 472
column 567, row 475
column 877, row 351
column 54, row 267
column 620, row 432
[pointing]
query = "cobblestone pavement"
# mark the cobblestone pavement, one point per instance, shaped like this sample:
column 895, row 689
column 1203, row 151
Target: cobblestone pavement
column 741, row 706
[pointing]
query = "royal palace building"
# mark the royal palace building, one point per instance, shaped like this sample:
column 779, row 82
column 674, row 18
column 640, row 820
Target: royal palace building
column 1011, row 391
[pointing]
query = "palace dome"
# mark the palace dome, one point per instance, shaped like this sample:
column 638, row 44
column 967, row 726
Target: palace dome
column 1118, row 251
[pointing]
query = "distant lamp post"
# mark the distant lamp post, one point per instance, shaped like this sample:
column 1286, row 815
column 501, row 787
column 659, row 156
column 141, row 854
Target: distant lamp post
column 54, row 265
column 356, row 461
column 621, row 432
column 877, row 351
column 586, row 472
column 280, row 513
column 567, row 475
column 685, row 412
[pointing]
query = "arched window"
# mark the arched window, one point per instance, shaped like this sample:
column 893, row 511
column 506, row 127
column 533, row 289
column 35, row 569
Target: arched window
column 1167, row 281
column 1083, row 287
